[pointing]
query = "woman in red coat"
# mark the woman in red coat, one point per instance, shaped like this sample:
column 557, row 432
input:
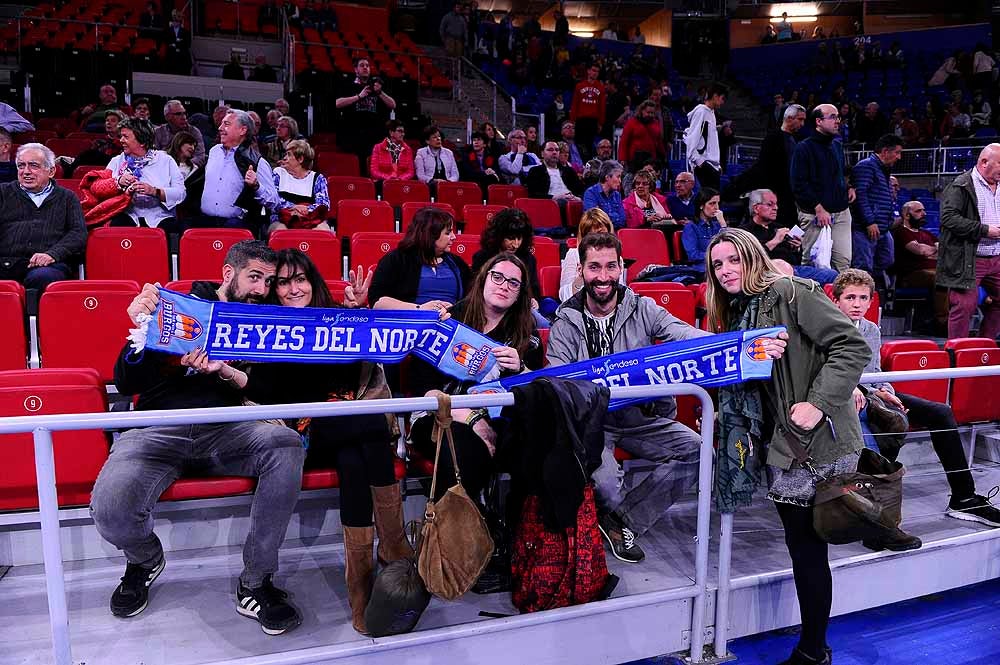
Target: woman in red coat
column 392, row 159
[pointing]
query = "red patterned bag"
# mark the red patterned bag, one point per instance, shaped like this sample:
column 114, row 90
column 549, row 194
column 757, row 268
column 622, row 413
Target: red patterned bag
column 551, row 569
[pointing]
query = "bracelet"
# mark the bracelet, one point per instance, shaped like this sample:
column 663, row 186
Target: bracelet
column 476, row 416
column 231, row 379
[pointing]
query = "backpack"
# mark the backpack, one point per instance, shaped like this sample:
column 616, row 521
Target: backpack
column 552, row 569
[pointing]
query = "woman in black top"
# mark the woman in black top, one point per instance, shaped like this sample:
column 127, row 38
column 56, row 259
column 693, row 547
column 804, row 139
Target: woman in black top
column 498, row 306
column 360, row 447
column 509, row 231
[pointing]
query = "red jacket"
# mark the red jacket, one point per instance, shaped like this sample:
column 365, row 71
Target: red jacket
column 589, row 101
column 383, row 168
column 640, row 137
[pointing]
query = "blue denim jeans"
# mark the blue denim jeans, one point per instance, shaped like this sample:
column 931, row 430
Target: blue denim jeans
column 872, row 256
column 821, row 275
column 144, row 462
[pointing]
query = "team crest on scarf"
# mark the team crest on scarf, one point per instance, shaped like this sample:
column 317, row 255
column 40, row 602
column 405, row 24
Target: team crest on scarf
column 470, row 357
column 174, row 324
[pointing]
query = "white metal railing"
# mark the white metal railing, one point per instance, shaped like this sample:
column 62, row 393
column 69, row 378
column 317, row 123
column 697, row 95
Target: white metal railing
column 930, row 161
column 726, row 530
column 48, row 508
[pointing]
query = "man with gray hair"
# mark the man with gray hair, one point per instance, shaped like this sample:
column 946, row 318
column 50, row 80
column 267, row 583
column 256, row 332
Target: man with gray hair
column 515, row 164
column 969, row 245
column 781, row 245
column 177, row 121
column 606, row 194
column 241, row 181
column 42, row 231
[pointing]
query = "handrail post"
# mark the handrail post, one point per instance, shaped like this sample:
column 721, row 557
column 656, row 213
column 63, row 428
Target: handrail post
column 48, row 509
column 725, row 582
column 703, row 532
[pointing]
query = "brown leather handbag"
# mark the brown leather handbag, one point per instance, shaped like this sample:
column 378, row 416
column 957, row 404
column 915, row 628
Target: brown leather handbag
column 455, row 543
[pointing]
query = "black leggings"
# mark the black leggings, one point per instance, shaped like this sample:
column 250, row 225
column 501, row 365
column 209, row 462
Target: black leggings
column 813, row 580
column 474, row 460
column 360, row 447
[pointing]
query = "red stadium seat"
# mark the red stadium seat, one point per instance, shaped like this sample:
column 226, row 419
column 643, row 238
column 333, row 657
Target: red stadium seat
column 677, row 253
column 505, row 195
column 398, row 192
column 349, row 187
column 960, row 343
column 458, row 195
column 340, row 164
column 72, row 184
column 974, row 399
column 99, row 324
column 574, row 211
column 410, row 209
column 543, row 213
column 139, row 254
column 337, row 288
column 548, row 278
column 368, row 249
column 899, row 345
column 79, row 455
column 546, row 252
column 13, row 341
column 679, row 302
column 322, row 247
column 81, row 171
column 70, row 147
column 477, row 216
column 203, row 251
column 357, row 216
column 207, row 488
column 646, row 246
column 465, row 247
column 935, row 390
column 543, row 336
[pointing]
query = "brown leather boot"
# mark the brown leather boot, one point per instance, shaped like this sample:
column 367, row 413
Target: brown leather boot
column 392, row 542
column 358, row 569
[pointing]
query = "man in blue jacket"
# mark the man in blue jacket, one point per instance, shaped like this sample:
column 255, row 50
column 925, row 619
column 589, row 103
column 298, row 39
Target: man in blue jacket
column 872, row 211
column 818, row 176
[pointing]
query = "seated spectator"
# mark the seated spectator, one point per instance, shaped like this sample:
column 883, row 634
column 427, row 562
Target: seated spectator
column 568, row 134
column 243, row 179
column 956, row 124
column 707, row 222
column 176, row 121
column 906, row 129
column 499, row 306
column 917, row 256
column 478, row 165
column 104, row 148
column 208, row 125
column 510, row 231
column 42, row 232
column 233, row 70
column 92, row 116
column 141, row 109
column 644, row 207
column 182, row 149
column 144, row 461
column 606, row 194
column 681, row 201
column 494, row 144
column 552, row 181
column 151, row 176
column 779, row 243
column 592, row 169
column 604, row 318
column 304, row 199
column 594, row 220
column 929, row 124
column 853, row 291
column 770, row 35
column 286, row 130
column 8, row 169
column 531, row 134
column 421, row 273
column 392, row 159
column 435, row 163
column 517, row 161
column 262, row 71
column 982, row 112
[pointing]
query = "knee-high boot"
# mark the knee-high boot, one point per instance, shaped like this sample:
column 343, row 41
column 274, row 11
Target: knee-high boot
column 392, row 542
column 358, row 569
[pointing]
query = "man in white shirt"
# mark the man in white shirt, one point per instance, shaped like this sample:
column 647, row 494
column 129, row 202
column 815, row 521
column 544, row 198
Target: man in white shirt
column 549, row 180
column 515, row 164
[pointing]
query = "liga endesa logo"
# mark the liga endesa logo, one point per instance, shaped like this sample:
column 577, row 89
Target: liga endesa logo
column 756, row 351
column 470, row 357
column 176, row 324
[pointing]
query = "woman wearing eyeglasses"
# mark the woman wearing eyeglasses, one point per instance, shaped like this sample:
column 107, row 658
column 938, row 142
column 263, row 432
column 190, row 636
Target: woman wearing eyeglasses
column 499, row 306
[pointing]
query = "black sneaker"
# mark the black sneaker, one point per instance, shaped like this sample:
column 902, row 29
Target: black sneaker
column 132, row 595
column 620, row 538
column 977, row 509
column 267, row 605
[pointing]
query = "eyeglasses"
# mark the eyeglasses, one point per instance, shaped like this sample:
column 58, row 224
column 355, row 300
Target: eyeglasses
column 178, row 113
column 499, row 278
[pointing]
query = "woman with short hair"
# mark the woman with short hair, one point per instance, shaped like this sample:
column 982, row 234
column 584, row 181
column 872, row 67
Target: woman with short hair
column 434, row 163
column 150, row 176
column 392, row 159
column 606, row 193
column 303, row 193
column 285, row 131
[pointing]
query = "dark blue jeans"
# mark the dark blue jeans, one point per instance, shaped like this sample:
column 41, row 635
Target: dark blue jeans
column 872, row 256
column 39, row 278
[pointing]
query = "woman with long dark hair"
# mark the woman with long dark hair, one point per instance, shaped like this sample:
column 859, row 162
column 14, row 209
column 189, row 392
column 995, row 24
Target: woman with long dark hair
column 809, row 398
column 499, row 306
column 360, row 447
column 509, row 231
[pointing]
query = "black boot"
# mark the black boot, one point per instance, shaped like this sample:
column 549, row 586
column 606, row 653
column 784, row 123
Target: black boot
column 894, row 540
column 799, row 658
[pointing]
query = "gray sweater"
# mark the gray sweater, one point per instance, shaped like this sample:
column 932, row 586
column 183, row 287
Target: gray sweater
column 56, row 228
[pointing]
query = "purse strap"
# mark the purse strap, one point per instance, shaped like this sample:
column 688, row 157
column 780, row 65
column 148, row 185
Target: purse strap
column 802, row 456
column 442, row 431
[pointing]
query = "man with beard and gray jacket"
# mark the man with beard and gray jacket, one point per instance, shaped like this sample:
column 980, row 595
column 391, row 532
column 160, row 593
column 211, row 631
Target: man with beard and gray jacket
column 604, row 318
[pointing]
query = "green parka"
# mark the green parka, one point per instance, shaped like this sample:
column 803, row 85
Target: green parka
column 961, row 231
